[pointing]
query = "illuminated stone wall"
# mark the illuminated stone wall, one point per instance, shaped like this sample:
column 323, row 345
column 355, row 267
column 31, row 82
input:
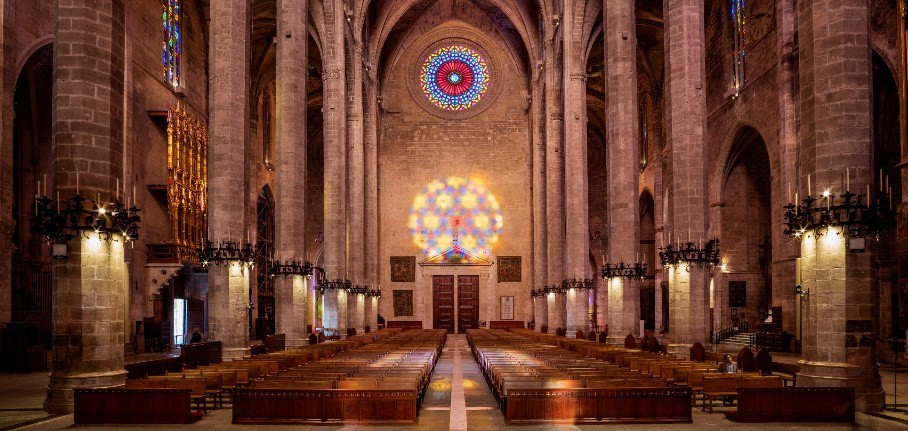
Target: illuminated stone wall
column 418, row 145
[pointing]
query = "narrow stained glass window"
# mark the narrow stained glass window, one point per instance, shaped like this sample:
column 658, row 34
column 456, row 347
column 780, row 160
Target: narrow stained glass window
column 739, row 28
column 171, row 57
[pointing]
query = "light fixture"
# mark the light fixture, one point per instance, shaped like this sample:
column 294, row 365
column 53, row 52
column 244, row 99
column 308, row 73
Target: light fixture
column 851, row 213
column 61, row 220
column 700, row 254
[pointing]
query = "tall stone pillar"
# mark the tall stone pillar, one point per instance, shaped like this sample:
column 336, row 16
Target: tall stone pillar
column 840, row 312
column 539, row 265
column 228, row 287
column 335, row 133
column 290, row 239
column 623, row 163
column 7, row 223
column 370, row 158
column 554, row 186
column 576, row 196
column 784, row 252
column 90, row 284
column 356, row 193
column 685, row 111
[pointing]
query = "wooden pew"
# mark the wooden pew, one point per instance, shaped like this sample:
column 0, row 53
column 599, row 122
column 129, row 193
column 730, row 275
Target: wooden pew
column 295, row 406
column 582, row 406
column 794, row 404
column 131, row 406
column 725, row 386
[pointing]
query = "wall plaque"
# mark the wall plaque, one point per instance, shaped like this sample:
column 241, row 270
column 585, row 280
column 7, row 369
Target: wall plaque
column 403, row 268
column 509, row 269
column 507, row 308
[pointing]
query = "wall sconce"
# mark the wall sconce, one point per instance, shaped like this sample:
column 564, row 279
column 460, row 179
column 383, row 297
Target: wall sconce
column 800, row 291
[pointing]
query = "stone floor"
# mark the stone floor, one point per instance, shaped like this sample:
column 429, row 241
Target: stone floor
column 458, row 399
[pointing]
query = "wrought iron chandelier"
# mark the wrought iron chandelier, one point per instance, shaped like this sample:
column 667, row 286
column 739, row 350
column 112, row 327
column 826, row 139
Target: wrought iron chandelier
column 227, row 252
column 702, row 255
column 850, row 213
column 336, row 284
column 625, row 270
column 58, row 221
column 578, row 283
column 291, row 267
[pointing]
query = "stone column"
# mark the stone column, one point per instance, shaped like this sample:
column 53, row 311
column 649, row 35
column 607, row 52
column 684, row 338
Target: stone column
column 7, row 223
column 576, row 196
column 228, row 287
column 335, row 132
column 89, row 285
column 370, row 137
column 623, row 164
column 554, row 184
column 290, row 200
column 539, row 266
column 685, row 110
column 356, row 193
column 840, row 311
column 784, row 251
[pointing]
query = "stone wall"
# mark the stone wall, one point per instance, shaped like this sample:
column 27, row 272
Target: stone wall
column 492, row 147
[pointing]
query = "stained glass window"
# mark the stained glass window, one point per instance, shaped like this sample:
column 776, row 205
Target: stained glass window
column 172, row 54
column 454, row 77
column 455, row 210
column 739, row 28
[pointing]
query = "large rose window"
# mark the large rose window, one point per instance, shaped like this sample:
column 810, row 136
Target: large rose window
column 454, row 77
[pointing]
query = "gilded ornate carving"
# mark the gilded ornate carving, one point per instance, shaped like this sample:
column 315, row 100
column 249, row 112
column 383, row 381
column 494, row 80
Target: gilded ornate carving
column 187, row 181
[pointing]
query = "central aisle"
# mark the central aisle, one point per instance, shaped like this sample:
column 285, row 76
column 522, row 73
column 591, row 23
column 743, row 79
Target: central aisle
column 459, row 390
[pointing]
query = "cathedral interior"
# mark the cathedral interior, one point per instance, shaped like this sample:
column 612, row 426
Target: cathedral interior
column 649, row 174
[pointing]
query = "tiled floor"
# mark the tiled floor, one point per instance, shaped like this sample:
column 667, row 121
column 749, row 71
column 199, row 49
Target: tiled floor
column 454, row 399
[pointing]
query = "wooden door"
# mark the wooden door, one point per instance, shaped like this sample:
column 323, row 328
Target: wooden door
column 443, row 302
column 467, row 302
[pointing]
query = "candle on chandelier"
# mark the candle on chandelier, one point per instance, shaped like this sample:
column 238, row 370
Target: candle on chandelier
column 77, row 183
column 868, row 195
column 58, row 202
column 847, row 179
column 45, row 183
column 808, row 185
column 789, row 191
column 117, row 194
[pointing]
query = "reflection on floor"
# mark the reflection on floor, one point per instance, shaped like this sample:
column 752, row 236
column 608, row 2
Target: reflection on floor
column 458, row 398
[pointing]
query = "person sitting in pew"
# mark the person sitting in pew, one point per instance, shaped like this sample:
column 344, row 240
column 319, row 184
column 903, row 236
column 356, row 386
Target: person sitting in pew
column 196, row 336
column 727, row 365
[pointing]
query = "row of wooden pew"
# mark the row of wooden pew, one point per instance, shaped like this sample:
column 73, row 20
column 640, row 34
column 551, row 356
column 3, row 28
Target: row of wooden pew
column 379, row 383
column 537, row 381
column 201, row 387
column 599, row 383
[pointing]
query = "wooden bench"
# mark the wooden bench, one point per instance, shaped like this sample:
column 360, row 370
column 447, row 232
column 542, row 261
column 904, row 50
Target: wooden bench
column 726, row 386
column 582, row 406
column 131, row 406
column 206, row 353
column 794, row 404
column 296, row 406
column 198, row 397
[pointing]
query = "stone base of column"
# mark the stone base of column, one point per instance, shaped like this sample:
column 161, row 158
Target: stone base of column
column 232, row 353
column 869, row 395
column 59, row 399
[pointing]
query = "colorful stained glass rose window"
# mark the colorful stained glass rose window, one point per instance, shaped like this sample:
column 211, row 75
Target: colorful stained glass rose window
column 454, row 77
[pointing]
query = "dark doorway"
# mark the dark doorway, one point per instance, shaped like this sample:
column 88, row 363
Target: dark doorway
column 443, row 302
column 467, row 302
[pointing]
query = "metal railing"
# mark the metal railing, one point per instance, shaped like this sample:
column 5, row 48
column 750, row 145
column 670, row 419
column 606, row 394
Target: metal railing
column 729, row 332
